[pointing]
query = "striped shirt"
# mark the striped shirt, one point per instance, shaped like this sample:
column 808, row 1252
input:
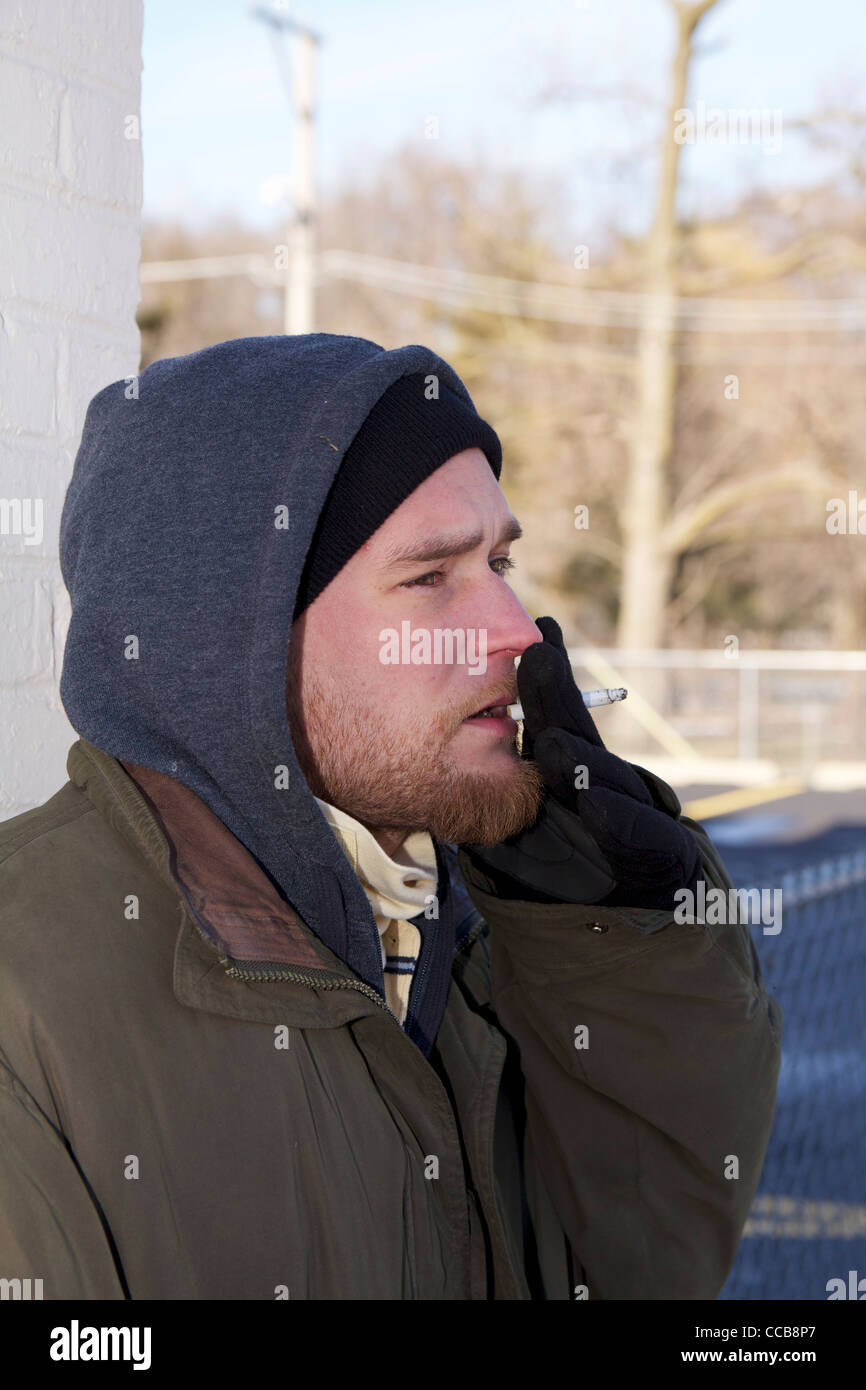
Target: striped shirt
column 397, row 888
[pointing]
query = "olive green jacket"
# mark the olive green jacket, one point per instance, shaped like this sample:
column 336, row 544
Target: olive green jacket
column 181, row 1118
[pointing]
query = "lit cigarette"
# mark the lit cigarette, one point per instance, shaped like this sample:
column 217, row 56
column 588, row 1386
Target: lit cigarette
column 590, row 698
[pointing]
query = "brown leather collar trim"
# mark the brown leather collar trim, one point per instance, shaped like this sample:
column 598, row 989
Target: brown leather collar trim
column 232, row 900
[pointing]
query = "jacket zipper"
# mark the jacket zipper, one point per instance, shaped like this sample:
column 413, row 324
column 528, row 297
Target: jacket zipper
column 470, row 937
column 269, row 972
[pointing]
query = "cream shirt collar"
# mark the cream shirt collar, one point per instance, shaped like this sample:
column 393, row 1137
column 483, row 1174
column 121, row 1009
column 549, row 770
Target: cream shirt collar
column 398, row 887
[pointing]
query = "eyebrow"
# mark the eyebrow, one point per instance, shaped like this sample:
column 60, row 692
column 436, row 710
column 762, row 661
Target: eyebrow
column 444, row 545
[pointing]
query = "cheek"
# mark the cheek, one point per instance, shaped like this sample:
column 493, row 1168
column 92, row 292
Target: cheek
column 346, row 634
column 408, row 695
column 334, row 640
column 415, row 692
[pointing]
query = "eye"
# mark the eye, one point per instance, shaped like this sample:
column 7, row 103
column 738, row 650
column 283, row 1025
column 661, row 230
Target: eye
column 417, row 583
column 503, row 560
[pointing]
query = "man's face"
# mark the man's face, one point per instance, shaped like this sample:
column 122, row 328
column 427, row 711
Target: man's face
column 386, row 741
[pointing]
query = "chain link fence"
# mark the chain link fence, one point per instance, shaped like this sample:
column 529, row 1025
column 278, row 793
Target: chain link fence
column 808, row 1221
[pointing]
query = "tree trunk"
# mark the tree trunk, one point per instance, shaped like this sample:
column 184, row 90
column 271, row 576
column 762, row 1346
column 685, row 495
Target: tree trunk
column 647, row 566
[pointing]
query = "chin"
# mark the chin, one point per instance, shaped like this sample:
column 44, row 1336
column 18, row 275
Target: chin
column 495, row 794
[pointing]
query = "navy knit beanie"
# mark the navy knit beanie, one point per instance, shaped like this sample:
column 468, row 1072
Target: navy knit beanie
column 406, row 436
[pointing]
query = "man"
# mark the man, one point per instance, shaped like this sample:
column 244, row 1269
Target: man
column 314, row 986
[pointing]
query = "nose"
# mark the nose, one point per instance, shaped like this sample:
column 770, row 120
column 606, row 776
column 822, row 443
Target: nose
column 509, row 626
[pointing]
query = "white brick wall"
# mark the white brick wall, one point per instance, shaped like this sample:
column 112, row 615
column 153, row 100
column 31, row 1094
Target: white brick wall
column 70, row 206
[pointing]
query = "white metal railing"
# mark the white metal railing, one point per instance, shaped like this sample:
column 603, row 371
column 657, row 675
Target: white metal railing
column 755, row 713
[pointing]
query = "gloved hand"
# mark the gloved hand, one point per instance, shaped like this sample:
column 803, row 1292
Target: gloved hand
column 601, row 836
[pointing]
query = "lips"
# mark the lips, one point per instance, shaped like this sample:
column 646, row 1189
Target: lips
column 495, row 709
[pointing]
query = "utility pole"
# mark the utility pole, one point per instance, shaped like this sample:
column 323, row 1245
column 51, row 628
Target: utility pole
column 299, row 293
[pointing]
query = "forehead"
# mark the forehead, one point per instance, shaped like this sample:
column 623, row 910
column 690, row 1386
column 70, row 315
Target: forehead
column 461, row 494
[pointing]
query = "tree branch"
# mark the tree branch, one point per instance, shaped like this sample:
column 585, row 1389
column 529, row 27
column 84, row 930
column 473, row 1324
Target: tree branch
column 771, row 267
column 683, row 529
column 689, row 14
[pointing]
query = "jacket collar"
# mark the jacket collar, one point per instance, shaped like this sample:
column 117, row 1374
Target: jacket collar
column 229, row 897
column 232, row 911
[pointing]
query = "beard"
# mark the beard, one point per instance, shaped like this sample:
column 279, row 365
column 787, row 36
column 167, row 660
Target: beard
column 406, row 778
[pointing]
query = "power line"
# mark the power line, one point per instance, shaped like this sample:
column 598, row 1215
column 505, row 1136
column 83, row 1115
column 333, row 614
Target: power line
column 558, row 303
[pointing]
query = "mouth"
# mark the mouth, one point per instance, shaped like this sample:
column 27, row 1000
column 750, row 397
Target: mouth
column 495, row 717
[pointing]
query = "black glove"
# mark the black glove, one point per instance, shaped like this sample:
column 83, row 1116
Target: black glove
column 607, row 833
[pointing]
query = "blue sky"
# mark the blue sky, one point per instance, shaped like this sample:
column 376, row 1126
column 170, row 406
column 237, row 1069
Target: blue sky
column 215, row 112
